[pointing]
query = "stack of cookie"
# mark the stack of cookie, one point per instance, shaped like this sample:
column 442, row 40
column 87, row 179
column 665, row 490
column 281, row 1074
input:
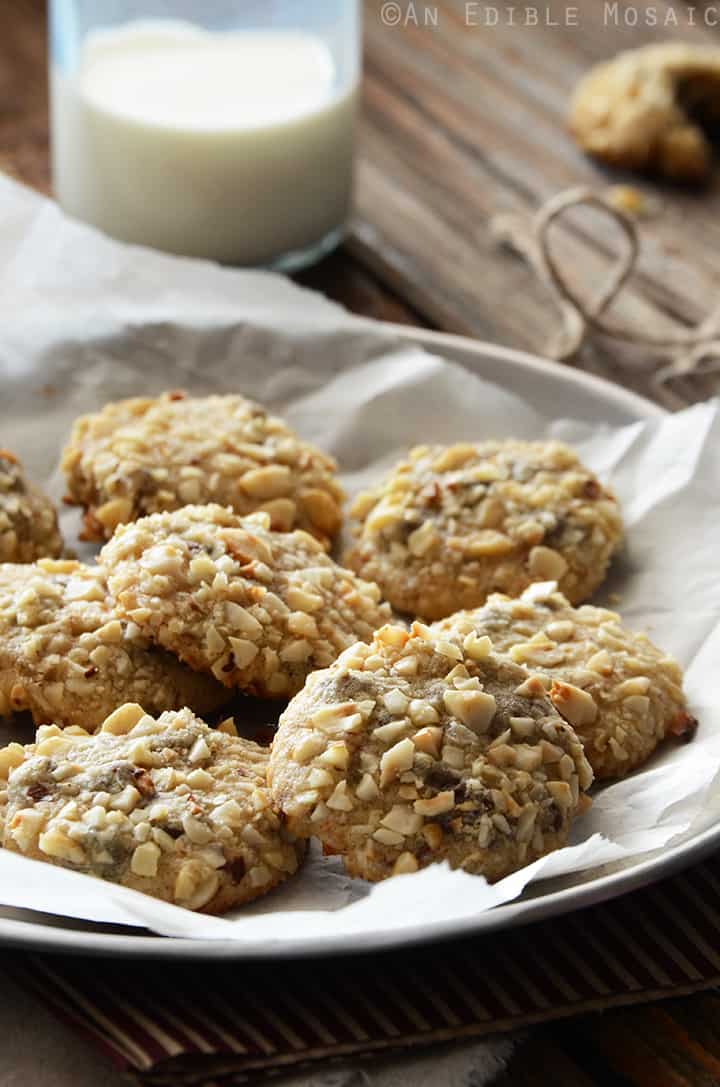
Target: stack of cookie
column 471, row 740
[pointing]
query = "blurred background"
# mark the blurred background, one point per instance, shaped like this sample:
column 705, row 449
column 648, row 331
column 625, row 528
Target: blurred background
column 463, row 116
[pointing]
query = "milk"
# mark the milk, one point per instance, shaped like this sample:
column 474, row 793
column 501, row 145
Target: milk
column 235, row 146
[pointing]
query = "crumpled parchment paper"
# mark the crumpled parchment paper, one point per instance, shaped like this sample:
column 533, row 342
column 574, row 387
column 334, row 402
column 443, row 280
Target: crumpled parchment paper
column 84, row 320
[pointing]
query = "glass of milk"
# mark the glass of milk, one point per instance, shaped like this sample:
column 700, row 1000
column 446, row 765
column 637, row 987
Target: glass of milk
column 210, row 128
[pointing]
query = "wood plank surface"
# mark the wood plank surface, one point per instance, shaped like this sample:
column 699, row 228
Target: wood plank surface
column 461, row 122
column 464, row 121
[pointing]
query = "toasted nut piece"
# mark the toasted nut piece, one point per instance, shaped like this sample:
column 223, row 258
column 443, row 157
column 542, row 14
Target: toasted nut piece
column 336, row 755
column 56, row 843
column 141, row 755
column 11, row 756
column 429, row 740
column 55, row 745
column 531, row 652
column 243, row 651
column 319, row 778
column 561, row 631
column 145, row 860
column 407, row 666
column 453, row 756
column 522, row 726
column 448, row 649
column 403, row 819
column 433, row 835
column 533, row 687
column 367, row 790
column 436, row 805
column 475, row 709
column 577, row 706
column 502, row 755
column 423, row 539
column 241, row 620
column 331, row 717
column 488, row 542
column 273, row 481
column 388, row 837
column 396, row 702
column 127, row 800
column 395, row 760
column 422, row 712
column 601, row 662
column 546, row 564
column 477, row 648
column 117, row 511
column 244, row 546
column 195, row 885
column 405, row 864
column 198, row 833
column 123, row 719
column 384, row 516
column 638, row 704
column 25, row 828
column 630, row 200
column 635, row 685
column 302, row 600
column 561, row 793
column 322, row 510
column 200, row 752
column 528, row 758
column 454, row 456
column 307, row 747
column 282, row 513
column 340, row 799
column 390, row 733
column 392, row 635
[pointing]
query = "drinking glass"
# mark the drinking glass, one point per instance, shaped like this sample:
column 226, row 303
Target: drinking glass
column 222, row 130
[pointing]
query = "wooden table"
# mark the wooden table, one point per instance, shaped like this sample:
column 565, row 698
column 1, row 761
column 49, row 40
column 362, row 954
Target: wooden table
column 461, row 121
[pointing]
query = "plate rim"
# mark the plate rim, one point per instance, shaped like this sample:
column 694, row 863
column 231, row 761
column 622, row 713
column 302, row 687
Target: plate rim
column 530, row 361
column 51, row 938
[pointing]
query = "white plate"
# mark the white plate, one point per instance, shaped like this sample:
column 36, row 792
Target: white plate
column 554, row 390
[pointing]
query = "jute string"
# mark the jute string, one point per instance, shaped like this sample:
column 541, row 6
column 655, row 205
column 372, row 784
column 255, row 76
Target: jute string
column 694, row 349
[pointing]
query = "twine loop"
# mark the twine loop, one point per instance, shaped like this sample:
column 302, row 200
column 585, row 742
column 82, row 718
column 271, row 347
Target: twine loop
column 692, row 350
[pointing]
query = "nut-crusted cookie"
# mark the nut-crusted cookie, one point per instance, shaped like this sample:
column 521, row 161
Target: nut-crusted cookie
column 641, row 109
column 260, row 609
column 28, row 520
column 413, row 750
column 142, row 456
column 619, row 692
column 166, row 806
column 452, row 524
column 69, row 659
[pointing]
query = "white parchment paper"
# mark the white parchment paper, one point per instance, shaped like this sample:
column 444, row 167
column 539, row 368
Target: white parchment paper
column 84, row 320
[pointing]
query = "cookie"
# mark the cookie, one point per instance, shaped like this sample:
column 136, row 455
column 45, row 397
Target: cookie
column 619, row 692
column 640, row 110
column 67, row 658
column 143, row 456
column 257, row 608
column 452, row 524
column 166, row 806
column 413, row 750
column 28, row 520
